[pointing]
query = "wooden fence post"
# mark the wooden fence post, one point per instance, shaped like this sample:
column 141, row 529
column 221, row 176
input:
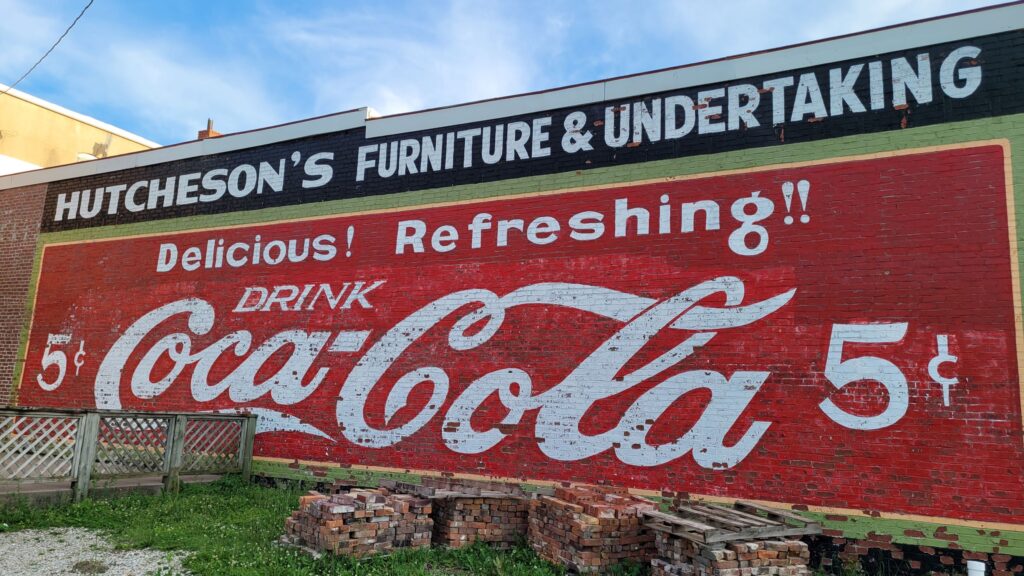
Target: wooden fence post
column 174, row 448
column 85, row 452
column 246, row 445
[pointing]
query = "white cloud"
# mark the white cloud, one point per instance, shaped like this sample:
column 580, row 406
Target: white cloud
column 847, row 17
column 26, row 35
column 661, row 33
column 168, row 89
column 404, row 60
column 410, row 57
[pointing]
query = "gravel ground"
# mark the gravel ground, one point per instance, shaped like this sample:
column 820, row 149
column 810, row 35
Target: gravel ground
column 76, row 551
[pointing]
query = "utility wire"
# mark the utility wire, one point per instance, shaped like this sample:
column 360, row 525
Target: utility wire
column 40, row 61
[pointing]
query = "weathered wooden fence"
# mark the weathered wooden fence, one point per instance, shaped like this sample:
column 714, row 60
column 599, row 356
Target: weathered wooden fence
column 83, row 446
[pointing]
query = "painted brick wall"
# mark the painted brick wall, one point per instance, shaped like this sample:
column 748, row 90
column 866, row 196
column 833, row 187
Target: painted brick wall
column 821, row 312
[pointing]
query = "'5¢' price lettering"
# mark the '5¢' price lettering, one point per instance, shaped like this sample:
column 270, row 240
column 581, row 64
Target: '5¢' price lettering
column 842, row 372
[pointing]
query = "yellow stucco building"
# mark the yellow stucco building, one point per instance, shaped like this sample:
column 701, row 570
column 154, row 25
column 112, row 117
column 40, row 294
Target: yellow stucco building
column 35, row 133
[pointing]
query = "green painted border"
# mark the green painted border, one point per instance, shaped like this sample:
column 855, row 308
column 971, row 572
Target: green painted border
column 1010, row 128
column 966, row 537
column 307, row 473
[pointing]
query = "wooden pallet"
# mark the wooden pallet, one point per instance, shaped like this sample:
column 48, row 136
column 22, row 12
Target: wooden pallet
column 707, row 523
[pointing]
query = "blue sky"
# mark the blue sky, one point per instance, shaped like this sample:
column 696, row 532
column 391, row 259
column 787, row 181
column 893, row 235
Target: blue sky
column 160, row 68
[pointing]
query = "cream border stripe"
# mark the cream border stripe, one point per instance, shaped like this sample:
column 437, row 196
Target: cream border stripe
column 1018, row 316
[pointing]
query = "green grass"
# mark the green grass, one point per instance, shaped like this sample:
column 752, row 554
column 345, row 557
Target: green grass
column 230, row 529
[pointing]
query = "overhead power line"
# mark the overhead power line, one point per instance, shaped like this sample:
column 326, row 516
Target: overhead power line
column 43, row 57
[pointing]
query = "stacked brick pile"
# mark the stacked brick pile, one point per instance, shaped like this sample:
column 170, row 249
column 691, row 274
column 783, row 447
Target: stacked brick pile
column 499, row 521
column 360, row 522
column 681, row 557
column 590, row 528
column 472, row 487
column 467, row 511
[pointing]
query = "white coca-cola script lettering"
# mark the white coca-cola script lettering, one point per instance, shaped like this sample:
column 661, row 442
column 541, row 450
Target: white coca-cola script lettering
column 560, row 409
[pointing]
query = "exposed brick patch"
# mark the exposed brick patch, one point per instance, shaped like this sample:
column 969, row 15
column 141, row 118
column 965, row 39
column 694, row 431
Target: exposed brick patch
column 21, row 211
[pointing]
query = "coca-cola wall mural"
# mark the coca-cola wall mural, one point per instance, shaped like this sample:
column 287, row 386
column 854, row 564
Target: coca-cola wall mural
column 752, row 327
column 577, row 295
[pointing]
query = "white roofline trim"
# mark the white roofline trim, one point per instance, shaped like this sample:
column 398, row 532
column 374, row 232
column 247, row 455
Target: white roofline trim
column 79, row 117
column 982, row 22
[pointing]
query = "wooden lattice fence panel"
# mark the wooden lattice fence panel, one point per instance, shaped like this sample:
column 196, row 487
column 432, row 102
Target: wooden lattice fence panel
column 131, row 445
column 211, row 446
column 44, row 445
column 37, row 447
